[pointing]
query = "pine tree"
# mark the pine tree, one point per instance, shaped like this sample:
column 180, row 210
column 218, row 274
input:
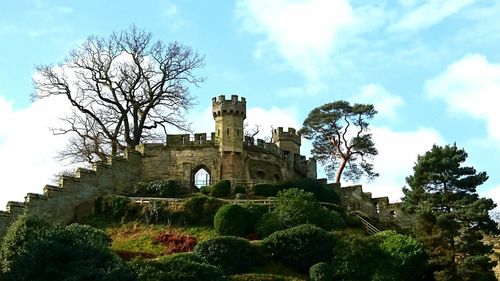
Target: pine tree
column 451, row 218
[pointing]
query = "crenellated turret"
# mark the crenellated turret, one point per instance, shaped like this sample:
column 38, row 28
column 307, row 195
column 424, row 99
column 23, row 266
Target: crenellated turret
column 287, row 140
column 229, row 116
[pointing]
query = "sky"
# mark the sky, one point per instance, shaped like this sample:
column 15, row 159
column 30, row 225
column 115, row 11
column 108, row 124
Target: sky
column 431, row 68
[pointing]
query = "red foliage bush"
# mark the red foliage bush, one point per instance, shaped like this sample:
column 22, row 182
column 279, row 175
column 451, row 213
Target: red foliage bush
column 176, row 243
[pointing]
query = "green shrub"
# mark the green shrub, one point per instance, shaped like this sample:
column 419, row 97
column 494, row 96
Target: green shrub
column 329, row 219
column 74, row 252
column 233, row 220
column 183, row 257
column 266, row 189
column 321, row 272
column 407, row 255
column 295, row 207
column 198, row 210
column 157, row 188
column 230, row 254
column 255, row 212
column 173, row 270
column 112, row 206
column 358, row 257
column 262, row 277
column 220, row 189
column 320, row 191
column 205, row 190
column 299, row 247
column 19, row 235
column 240, row 189
column 268, row 224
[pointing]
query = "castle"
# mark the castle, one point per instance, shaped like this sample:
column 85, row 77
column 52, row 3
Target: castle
column 227, row 154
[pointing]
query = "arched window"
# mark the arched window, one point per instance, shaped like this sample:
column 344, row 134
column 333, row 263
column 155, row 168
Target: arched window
column 276, row 178
column 201, row 178
column 260, row 175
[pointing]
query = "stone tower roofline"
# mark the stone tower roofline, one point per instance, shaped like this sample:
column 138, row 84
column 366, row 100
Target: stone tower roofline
column 291, row 135
column 233, row 106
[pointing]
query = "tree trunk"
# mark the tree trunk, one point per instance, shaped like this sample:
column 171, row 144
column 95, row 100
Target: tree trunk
column 340, row 170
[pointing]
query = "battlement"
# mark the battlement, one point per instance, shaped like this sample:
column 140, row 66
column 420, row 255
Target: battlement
column 233, row 106
column 291, row 135
column 287, row 140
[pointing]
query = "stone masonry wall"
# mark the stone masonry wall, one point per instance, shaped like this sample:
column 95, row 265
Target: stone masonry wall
column 74, row 196
column 354, row 199
column 179, row 162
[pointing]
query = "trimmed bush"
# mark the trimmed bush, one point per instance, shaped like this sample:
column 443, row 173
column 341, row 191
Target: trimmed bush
column 173, row 270
column 198, row 210
column 407, row 255
column 233, row 220
column 262, row 277
column 255, row 212
column 320, row 191
column 299, row 247
column 59, row 252
column 240, row 189
column 358, row 257
column 321, row 272
column 329, row 219
column 268, row 224
column 205, row 190
column 230, row 254
column 295, row 207
column 184, row 257
column 266, row 189
column 20, row 234
column 157, row 188
column 220, row 189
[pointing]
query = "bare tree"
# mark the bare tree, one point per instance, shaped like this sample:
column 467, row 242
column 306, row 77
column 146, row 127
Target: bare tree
column 124, row 89
column 251, row 132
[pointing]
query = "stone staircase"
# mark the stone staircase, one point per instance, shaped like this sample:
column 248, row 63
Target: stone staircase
column 74, row 196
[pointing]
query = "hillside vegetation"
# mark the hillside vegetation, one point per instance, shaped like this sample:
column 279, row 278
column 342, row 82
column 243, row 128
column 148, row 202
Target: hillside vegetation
column 203, row 237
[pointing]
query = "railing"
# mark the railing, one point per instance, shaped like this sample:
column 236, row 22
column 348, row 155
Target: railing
column 369, row 228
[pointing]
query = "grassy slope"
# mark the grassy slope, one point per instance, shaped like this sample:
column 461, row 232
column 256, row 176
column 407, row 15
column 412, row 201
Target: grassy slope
column 139, row 238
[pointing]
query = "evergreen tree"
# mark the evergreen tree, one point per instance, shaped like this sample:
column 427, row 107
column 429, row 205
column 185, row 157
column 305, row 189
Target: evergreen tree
column 341, row 139
column 451, row 218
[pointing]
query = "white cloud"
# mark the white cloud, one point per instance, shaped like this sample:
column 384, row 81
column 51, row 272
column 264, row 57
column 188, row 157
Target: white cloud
column 28, row 147
column 385, row 103
column 493, row 193
column 303, row 32
column 397, row 154
column 429, row 14
column 472, row 86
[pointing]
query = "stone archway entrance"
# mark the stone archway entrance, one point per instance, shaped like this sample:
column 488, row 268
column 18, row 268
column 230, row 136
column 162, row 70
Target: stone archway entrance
column 201, row 176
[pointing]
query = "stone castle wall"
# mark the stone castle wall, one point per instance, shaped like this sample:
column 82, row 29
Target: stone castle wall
column 74, row 196
column 354, row 199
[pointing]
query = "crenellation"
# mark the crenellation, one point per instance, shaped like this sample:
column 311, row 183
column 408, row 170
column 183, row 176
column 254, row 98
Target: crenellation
column 51, row 191
column 288, row 141
column 15, row 208
column 32, row 197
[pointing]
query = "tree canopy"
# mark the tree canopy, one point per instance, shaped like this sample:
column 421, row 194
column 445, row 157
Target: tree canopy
column 341, row 139
column 123, row 89
column 451, row 218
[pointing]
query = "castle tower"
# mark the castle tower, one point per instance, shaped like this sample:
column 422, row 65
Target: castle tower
column 287, row 141
column 229, row 116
